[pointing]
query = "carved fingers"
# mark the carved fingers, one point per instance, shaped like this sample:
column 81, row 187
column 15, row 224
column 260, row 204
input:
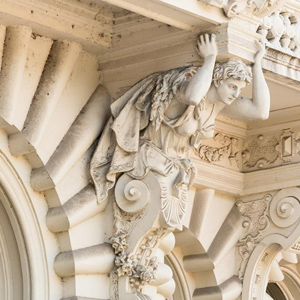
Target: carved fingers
column 261, row 50
column 207, row 46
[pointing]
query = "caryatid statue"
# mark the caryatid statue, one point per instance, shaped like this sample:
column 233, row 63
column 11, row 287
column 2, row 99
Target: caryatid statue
column 154, row 125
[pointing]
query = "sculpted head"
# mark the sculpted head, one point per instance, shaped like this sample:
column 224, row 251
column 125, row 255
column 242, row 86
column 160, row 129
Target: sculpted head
column 230, row 78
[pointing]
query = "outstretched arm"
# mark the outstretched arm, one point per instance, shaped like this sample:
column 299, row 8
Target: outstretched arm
column 198, row 86
column 259, row 106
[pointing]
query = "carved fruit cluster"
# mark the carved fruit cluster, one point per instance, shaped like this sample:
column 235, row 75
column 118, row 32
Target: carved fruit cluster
column 141, row 267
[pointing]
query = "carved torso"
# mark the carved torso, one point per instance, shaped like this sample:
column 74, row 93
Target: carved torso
column 180, row 123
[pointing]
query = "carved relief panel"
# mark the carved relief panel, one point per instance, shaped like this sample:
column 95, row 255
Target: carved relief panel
column 270, row 150
column 222, row 150
column 270, row 224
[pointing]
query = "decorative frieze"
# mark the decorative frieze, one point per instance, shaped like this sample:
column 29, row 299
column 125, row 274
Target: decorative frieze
column 256, row 152
column 272, row 149
column 223, row 150
column 260, row 151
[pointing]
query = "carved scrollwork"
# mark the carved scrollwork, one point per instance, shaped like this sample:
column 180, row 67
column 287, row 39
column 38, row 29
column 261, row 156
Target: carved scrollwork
column 255, row 215
column 260, row 152
column 255, row 222
column 281, row 210
column 280, row 148
column 285, row 207
column 228, row 149
column 131, row 195
column 255, row 219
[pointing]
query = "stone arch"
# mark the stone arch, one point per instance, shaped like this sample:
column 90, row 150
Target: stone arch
column 23, row 253
column 290, row 286
column 263, row 264
column 183, row 288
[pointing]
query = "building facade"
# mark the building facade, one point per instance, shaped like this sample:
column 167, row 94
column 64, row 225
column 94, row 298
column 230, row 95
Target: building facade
column 95, row 204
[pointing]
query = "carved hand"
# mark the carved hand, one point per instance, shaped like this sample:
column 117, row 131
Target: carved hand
column 207, row 46
column 261, row 51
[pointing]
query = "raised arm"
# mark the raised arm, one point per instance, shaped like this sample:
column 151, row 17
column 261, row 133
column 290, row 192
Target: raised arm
column 198, row 86
column 259, row 106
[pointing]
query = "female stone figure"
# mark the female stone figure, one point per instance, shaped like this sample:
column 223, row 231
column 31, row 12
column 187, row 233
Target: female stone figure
column 155, row 123
column 144, row 150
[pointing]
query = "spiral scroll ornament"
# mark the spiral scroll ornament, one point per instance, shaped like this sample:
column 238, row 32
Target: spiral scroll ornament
column 285, row 207
column 131, row 195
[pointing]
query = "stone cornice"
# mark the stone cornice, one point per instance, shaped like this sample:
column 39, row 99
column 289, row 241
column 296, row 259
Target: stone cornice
column 219, row 178
column 89, row 25
column 235, row 183
column 187, row 15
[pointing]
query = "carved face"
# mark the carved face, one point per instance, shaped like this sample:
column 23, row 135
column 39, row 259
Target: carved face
column 229, row 89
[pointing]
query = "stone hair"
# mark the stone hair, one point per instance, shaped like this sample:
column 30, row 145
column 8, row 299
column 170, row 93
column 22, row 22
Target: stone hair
column 233, row 68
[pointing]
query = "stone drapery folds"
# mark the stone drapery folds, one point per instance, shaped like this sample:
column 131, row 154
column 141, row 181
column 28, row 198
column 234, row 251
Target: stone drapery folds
column 120, row 142
column 144, row 152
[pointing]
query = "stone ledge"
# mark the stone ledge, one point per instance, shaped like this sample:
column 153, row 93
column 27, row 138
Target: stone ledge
column 235, row 183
